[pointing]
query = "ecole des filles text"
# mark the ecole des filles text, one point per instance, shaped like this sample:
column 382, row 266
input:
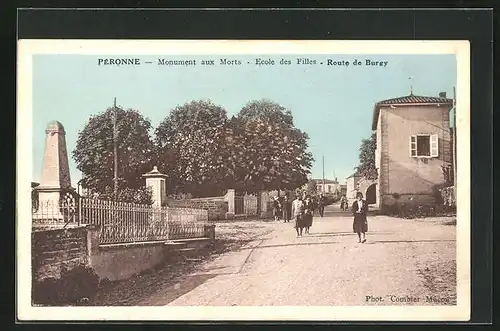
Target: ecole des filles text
column 236, row 62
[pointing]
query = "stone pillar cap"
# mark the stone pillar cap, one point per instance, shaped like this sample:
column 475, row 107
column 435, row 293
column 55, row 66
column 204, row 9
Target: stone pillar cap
column 154, row 173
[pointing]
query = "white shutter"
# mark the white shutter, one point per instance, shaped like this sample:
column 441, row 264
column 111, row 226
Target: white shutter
column 413, row 146
column 434, row 145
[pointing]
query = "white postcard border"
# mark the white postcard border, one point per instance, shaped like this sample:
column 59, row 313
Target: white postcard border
column 28, row 48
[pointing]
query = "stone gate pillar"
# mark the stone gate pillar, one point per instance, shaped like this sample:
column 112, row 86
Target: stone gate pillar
column 264, row 199
column 230, row 195
column 156, row 181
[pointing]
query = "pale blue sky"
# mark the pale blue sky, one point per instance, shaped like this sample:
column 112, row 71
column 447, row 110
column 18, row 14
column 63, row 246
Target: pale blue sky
column 332, row 104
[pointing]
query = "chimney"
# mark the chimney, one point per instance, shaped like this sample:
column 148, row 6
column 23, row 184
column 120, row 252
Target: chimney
column 442, row 94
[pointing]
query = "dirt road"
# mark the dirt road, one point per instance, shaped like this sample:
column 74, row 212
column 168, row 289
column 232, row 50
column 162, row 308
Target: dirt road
column 403, row 262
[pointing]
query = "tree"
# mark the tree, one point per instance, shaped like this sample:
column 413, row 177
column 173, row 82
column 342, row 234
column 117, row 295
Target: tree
column 94, row 154
column 191, row 148
column 142, row 195
column 311, row 187
column 268, row 152
column 367, row 167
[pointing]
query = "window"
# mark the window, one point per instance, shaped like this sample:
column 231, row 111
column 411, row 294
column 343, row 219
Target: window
column 424, row 145
column 329, row 188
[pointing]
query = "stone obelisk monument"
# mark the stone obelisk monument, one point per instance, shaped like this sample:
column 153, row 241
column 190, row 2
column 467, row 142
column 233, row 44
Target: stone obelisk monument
column 55, row 176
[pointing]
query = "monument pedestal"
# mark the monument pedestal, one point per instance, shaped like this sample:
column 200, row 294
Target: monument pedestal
column 52, row 209
column 49, row 207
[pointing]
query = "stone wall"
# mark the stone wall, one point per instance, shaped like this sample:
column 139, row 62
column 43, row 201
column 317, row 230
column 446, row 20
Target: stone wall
column 216, row 206
column 55, row 249
column 121, row 261
column 406, row 200
column 124, row 261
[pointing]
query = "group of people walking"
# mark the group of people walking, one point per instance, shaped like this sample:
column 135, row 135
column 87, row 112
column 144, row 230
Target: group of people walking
column 302, row 211
column 344, row 204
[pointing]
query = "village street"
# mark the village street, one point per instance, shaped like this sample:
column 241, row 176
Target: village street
column 401, row 259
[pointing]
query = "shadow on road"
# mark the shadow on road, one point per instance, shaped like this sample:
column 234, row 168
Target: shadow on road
column 185, row 285
column 291, row 244
column 337, row 234
column 405, row 241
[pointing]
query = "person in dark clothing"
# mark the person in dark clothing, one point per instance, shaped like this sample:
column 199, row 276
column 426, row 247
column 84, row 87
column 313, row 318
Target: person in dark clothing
column 343, row 203
column 308, row 214
column 321, row 204
column 360, row 224
column 287, row 209
column 276, row 208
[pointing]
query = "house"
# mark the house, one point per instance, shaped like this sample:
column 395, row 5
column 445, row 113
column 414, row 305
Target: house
column 413, row 146
column 327, row 186
column 343, row 189
column 352, row 185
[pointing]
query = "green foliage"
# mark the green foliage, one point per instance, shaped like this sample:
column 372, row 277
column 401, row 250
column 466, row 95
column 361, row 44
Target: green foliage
column 367, row 167
column 198, row 148
column 266, row 151
column 191, row 148
column 94, row 152
column 311, row 187
column 142, row 195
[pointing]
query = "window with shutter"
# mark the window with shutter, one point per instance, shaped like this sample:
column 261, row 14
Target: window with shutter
column 413, row 146
column 434, row 145
column 424, row 145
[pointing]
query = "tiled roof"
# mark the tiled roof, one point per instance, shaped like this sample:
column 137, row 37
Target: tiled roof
column 408, row 100
column 411, row 99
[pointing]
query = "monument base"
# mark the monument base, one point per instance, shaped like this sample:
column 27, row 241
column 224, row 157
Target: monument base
column 41, row 219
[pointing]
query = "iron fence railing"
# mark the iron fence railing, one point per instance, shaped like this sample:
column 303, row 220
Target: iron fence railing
column 120, row 222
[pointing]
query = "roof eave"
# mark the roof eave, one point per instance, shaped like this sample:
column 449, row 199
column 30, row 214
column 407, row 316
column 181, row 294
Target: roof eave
column 378, row 105
column 416, row 104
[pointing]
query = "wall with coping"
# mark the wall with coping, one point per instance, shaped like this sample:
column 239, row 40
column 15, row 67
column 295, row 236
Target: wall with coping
column 58, row 248
column 216, row 206
column 54, row 249
column 122, row 262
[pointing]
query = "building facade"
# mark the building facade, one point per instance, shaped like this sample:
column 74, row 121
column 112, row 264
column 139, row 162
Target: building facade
column 327, row 186
column 413, row 148
column 352, row 186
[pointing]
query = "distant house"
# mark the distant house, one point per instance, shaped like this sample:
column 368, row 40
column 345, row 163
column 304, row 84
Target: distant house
column 330, row 186
column 352, row 185
column 343, row 189
column 413, row 146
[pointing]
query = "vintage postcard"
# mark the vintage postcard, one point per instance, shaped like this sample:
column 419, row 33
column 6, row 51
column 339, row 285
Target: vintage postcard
column 243, row 180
